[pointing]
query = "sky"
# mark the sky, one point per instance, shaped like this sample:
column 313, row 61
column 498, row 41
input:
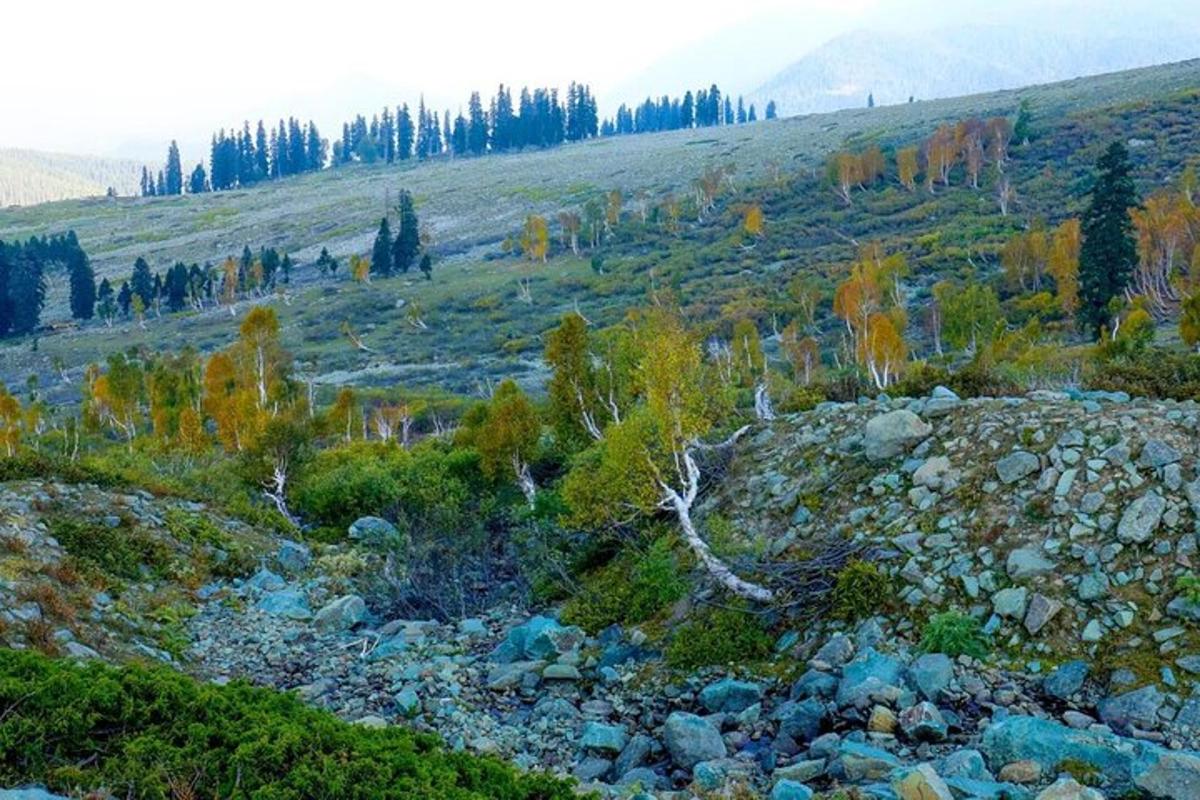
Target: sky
column 128, row 74
column 124, row 77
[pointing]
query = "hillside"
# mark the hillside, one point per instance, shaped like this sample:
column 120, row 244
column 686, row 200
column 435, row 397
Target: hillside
column 478, row 323
column 950, row 61
column 30, row 177
column 1057, row 532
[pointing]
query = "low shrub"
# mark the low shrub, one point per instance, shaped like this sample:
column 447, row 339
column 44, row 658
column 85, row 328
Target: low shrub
column 719, row 636
column 955, row 635
column 122, row 552
column 859, row 591
column 630, row 589
column 149, row 732
column 1159, row 373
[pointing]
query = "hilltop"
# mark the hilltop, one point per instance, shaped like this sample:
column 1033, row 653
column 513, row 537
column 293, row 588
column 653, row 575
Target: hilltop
column 31, row 177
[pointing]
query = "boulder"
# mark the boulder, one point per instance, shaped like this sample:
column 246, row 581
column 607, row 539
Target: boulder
column 1066, row 680
column 29, row 793
column 601, row 738
column 341, row 614
column 1015, row 466
column 1010, row 602
column 1027, row 562
column 1136, row 709
column 801, row 720
column 1172, row 775
column 1068, row 789
column 287, row 603
column 866, row 675
column 293, row 556
column 888, row 435
column 691, row 739
column 539, row 638
column 790, row 790
column 512, row 674
column 730, row 696
column 920, row 783
column 931, row 674
column 1157, row 454
column 1017, row 738
column 923, row 722
column 1141, row 518
column 375, row 532
column 1042, row 609
column 859, row 762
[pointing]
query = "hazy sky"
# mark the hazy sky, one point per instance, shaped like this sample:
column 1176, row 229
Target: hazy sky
column 105, row 76
column 125, row 76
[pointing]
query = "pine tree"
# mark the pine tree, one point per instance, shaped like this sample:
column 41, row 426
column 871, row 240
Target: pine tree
column 477, row 129
column 404, row 133
column 83, row 285
column 141, row 282
column 106, row 306
column 174, row 173
column 381, row 253
column 771, row 110
column 5, row 302
column 427, row 266
column 1108, row 253
column 408, row 236
column 262, row 152
column 26, row 290
column 198, row 183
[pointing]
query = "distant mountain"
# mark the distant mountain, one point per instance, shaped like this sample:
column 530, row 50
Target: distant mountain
column 958, row 60
column 31, row 176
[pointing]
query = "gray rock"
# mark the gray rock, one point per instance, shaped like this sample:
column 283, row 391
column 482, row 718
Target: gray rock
column 965, row 764
column 374, row 532
column 923, row 722
column 888, row 435
column 1184, row 608
column 512, row 674
column 1015, row 466
column 866, row 675
column 1067, row 680
column 691, row 739
column 600, row 738
column 1157, row 454
column 801, row 720
column 293, row 556
column 730, row 696
column 1026, row 562
column 790, row 790
column 636, row 753
column 591, row 768
column 1068, row 789
column 1172, row 775
column 341, row 614
column 931, row 674
column 858, row 761
column 539, row 638
column 932, row 472
column 30, row 793
column 1010, row 602
column 1042, row 609
column 1138, row 708
column 287, row 603
column 1093, row 586
column 1141, row 518
column 920, row 783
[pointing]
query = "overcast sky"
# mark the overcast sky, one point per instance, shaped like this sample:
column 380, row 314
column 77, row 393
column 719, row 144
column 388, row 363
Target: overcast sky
column 125, row 76
column 105, row 76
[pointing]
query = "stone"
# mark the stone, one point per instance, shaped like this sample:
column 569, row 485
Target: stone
column 1015, row 466
column 562, row 672
column 635, row 754
column 1173, row 775
column 790, row 790
column 374, row 532
column 931, row 674
column 538, row 638
column 835, row 652
column 601, row 738
column 1068, row 789
column 408, row 701
column 932, row 473
column 1027, row 562
column 888, row 435
column 730, row 696
column 920, row 783
column 286, row 603
column 923, row 722
column 341, row 614
column 870, row 672
column 691, row 739
column 1184, row 608
column 591, row 768
column 1093, row 586
column 512, row 674
column 882, row 720
column 1010, row 602
column 1017, row 738
column 1067, row 680
column 1141, row 518
column 293, row 556
column 860, row 761
column 1024, row 771
column 1138, row 708
column 1042, row 609
column 814, row 683
column 965, row 764
column 266, row 581
column 1157, row 454
column 29, row 793
column 801, row 720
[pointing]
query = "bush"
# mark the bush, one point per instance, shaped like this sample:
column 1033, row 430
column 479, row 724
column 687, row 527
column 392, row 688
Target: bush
column 630, row 589
column 1159, row 374
column 1188, row 587
column 120, row 552
column 719, row 636
column 149, row 732
column 955, row 635
column 859, row 591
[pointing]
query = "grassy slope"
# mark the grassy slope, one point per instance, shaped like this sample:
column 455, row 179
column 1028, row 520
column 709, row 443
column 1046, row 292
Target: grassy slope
column 479, row 328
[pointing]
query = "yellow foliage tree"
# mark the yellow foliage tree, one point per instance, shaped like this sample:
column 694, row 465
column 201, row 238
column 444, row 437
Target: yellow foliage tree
column 535, row 238
column 1063, row 264
column 10, row 422
column 753, row 222
column 906, row 167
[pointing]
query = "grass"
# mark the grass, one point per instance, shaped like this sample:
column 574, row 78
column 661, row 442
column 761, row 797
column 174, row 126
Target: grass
column 471, row 205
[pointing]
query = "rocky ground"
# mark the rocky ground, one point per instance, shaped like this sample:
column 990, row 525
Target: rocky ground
column 1067, row 525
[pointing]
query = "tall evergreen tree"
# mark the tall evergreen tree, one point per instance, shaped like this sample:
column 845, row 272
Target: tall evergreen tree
column 5, row 301
column 405, row 134
column 106, row 305
column 198, row 182
column 141, row 282
column 262, row 152
column 477, row 129
column 408, row 235
column 174, row 173
column 26, row 290
column 381, row 254
column 83, row 285
column 125, row 299
column 1108, row 253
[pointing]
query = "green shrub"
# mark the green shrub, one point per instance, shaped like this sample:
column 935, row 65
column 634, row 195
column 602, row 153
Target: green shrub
column 719, row 636
column 1189, row 587
column 955, row 635
column 121, row 552
column 860, row 591
column 630, row 589
column 143, row 731
column 1159, row 373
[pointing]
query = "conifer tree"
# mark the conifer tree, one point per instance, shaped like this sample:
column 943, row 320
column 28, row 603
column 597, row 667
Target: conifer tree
column 174, row 172
column 26, row 290
column 408, row 237
column 1108, row 253
column 83, row 285
column 405, row 134
column 381, row 253
column 262, row 152
column 198, row 183
column 141, row 283
column 106, row 307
